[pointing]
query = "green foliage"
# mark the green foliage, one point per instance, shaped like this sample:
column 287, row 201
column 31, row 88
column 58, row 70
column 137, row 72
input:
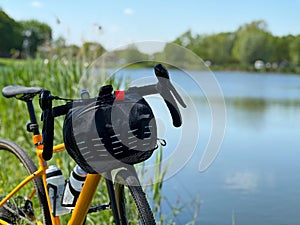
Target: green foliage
column 239, row 50
column 60, row 49
column 295, row 50
column 35, row 34
column 218, row 47
column 88, row 52
column 280, row 48
column 91, row 50
column 23, row 36
column 130, row 54
column 55, row 75
column 157, row 187
column 10, row 38
column 60, row 77
column 252, row 42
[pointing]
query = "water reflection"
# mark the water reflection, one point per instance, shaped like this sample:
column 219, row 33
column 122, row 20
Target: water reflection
column 255, row 173
column 261, row 104
column 257, row 113
column 250, row 104
column 242, row 181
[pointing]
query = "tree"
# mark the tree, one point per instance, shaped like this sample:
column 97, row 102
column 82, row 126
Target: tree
column 132, row 54
column 200, row 46
column 35, row 34
column 60, row 42
column 280, row 50
column 252, row 42
column 186, row 40
column 10, row 37
column 91, row 50
column 219, row 47
column 295, row 50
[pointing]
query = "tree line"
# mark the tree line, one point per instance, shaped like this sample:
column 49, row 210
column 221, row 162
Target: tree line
column 29, row 39
column 21, row 38
column 249, row 43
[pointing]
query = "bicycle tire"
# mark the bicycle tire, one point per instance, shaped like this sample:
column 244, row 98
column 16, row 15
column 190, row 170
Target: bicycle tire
column 123, row 179
column 8, row 152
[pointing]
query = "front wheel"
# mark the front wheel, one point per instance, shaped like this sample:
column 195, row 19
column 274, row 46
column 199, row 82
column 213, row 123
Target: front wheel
column 29, row 204
column 133, row 207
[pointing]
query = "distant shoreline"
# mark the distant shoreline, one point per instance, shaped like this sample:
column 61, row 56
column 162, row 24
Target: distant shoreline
column 6, row 62
column 292, row 71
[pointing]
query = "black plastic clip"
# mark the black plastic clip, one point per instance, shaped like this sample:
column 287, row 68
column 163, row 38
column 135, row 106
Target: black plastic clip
column 31, row 126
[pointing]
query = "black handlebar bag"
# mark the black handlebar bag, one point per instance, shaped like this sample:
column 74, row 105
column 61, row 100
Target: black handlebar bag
column 106, row 133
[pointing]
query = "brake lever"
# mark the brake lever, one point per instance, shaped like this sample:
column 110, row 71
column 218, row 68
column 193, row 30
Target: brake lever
column 166, row 89
column 163, row 77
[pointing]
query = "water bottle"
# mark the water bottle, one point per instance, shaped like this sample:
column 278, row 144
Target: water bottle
column 73, row 187
column 56, row 185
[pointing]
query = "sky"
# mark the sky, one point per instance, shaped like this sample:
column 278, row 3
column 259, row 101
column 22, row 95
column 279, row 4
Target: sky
column 123, row 22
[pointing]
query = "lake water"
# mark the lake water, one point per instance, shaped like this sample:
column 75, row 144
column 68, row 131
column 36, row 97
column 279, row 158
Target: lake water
column 255, row 178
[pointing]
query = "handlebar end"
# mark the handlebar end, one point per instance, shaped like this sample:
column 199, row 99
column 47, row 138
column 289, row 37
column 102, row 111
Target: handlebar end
column 161, row 71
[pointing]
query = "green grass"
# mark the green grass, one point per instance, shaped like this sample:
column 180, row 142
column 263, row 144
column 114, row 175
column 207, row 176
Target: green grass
column 11, row 62
column 55, row 76
column 61, row 78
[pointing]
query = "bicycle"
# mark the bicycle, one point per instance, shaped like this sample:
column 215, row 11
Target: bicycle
column 28, row 202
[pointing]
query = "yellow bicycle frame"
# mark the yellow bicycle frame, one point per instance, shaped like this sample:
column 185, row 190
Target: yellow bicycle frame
column 85, row 198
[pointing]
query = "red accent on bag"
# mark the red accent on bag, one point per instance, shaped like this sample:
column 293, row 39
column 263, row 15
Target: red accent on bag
column 120, row 95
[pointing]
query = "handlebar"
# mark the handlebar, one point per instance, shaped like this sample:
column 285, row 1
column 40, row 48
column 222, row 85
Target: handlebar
column 164, row 87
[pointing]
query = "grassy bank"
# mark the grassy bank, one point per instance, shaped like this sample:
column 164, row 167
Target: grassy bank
column 55, row 76
column 61, row 78
column 251, row 68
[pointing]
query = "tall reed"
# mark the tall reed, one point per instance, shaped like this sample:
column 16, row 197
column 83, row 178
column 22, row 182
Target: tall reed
column 61, row 77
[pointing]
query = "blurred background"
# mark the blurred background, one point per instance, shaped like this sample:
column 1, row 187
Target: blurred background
column 251, row 48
